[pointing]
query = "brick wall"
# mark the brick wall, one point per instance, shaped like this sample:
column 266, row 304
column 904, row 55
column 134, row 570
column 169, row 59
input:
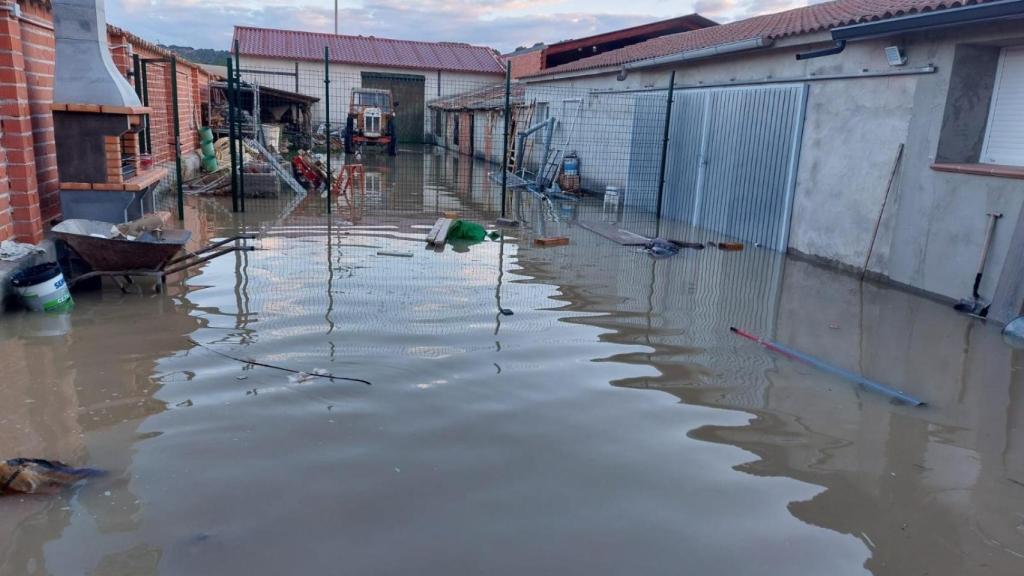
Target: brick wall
column 26, row 56
column 526, row 63
column 29, row 187
column 193, row 92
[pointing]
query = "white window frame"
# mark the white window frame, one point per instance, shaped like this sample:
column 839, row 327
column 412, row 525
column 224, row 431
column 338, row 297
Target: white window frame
column 1000, row 71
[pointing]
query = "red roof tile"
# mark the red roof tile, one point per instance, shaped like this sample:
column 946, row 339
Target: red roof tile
column 367, row 50
column 805, row 20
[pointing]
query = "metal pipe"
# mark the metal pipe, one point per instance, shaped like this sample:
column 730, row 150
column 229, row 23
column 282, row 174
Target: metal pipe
column 241, row 131
column 327, row 113
column 542, row 169
column 177, row 138
column 664, row 145
column 232, row 135
column 825, row 367
column 504, row 141
column 784, row 80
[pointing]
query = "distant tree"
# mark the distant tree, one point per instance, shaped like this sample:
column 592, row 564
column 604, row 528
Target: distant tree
column 200, row 55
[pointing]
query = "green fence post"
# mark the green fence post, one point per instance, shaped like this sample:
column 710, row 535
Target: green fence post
column 241, row 131
column 664, row 143
column 232, row 135
column 327, row 113
column 177, row 137
column 504, row 143
column 145, row 102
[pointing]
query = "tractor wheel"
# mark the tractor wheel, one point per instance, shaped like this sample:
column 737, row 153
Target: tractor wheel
column 393, row 142
column 350, row 127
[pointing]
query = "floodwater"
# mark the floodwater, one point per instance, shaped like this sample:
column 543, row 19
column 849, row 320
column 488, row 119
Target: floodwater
column 610, row 425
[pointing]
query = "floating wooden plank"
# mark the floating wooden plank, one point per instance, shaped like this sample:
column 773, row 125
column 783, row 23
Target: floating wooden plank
column 552, row 241
column 396, row 254
column 615, row 234
column 439, row 232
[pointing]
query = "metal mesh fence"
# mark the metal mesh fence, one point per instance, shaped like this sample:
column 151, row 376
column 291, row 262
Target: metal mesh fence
column 380, row 139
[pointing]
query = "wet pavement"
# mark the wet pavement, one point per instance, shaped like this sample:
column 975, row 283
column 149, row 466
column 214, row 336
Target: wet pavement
column 610, row 425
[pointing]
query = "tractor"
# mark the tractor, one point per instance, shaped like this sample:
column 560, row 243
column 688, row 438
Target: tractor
column 371, row 120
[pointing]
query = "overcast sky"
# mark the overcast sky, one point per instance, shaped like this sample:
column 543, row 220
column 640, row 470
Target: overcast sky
column 501, row 24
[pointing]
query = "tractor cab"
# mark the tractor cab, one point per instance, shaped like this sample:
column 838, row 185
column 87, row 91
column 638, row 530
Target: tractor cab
column 371, row 120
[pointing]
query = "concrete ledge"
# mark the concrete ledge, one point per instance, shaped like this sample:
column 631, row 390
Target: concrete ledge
column 8, row 269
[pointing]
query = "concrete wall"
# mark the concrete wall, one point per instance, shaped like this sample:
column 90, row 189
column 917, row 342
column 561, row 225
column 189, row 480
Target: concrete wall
column 933, row 228
column 345, row 77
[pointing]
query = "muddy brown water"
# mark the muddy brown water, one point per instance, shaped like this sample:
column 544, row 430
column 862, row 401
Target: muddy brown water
column 611, row 425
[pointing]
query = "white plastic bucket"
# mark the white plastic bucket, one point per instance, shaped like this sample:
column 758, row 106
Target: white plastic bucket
column 611, row 195
column 42, row 288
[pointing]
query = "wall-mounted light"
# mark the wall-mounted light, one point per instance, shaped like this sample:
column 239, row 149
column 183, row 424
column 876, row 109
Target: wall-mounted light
column 895, row 56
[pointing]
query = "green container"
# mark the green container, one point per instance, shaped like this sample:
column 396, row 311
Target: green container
column 210, row 163
column 205, row 135
column 207, row 149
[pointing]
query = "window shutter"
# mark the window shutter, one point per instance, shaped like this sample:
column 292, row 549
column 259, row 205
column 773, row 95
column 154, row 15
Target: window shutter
column 1004, row 138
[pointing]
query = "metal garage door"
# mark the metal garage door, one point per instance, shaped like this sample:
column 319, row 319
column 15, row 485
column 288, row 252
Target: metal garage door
column 732, row 160
column 407, row 90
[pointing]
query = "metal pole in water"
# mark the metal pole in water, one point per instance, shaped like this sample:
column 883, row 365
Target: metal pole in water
column 327, row 113
column 664, row 142
column 177, row 138
column 826, row 367
column 232, row 135
column 504, row 144
column 241, row 132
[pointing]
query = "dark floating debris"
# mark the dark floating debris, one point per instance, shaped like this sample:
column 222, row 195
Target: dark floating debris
column 35, row 476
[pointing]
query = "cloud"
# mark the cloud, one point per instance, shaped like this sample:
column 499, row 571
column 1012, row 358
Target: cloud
column 729, row 10
column 502, row 24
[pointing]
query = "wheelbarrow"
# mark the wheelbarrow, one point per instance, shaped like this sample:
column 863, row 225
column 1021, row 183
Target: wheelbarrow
column 152, row 254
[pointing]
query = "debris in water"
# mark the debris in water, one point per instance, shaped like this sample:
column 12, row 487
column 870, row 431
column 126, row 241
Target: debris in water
column 316, row 373
column 661, row 248
column 396, row 254
column 184, row 404
column 35, row 476
column 728, row 246
column 505, row 311
column 807, row 359
column 552, row 241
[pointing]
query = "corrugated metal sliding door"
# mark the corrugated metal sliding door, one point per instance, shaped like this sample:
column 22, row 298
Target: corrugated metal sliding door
column 733, row 155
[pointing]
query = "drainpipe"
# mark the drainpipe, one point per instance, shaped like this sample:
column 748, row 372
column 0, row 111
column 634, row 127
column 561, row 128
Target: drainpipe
column 975, row 13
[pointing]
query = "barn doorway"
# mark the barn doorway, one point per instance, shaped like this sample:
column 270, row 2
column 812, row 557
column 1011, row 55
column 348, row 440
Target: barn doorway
column 408, row 91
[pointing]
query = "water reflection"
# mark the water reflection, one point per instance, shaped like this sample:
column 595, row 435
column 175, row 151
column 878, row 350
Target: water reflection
column 495, row 441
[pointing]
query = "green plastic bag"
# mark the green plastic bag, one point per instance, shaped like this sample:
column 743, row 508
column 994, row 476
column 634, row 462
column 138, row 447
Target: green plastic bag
column 466, row 230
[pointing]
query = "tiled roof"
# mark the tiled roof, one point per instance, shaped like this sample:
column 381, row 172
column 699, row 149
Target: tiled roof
column 367, row 50
column 806, row 20
column 486, row 98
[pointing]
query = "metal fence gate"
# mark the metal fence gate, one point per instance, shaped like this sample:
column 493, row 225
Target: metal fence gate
column 733, row 155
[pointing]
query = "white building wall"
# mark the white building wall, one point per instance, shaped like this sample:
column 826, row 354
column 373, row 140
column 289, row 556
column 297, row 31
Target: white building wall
column 933, row 228
column 345, row 77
